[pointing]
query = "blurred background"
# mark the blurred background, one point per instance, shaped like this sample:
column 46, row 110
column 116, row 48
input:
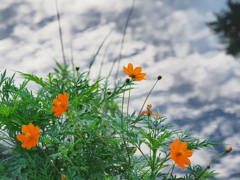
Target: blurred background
column 194, row 45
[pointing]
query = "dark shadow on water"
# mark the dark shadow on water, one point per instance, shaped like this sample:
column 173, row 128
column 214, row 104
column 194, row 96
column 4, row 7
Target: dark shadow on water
column 227, row 27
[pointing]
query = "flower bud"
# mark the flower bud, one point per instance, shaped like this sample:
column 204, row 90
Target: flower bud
column 159, row 77
column 127, row 80
column 229, row 149
column 63, row 177
column 134, row 150
column 77, row 68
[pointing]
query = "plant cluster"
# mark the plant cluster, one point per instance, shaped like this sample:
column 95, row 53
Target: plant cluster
column 73, row 129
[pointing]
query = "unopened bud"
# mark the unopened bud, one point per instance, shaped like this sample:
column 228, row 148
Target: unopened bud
column 77, row 68
column 159, row 77
column 229, row 149
column 134, row 150
column 63, row 177
column 109, row 92
column 127, row 80
column 104, row 123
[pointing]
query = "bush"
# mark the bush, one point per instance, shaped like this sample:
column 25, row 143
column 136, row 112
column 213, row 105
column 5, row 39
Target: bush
column 73, row 129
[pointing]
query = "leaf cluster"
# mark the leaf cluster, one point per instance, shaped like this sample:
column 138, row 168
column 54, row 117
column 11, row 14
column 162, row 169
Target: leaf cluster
column 94, row 139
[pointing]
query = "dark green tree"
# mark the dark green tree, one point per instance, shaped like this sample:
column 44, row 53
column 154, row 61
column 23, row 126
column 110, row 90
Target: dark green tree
column 227, row 26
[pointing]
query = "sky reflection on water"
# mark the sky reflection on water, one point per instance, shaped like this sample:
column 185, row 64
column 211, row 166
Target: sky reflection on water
column 200, row 85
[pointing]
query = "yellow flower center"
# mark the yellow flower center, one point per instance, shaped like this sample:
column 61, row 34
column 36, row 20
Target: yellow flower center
column 59, row 103
column 180, row 153
column 28, row 135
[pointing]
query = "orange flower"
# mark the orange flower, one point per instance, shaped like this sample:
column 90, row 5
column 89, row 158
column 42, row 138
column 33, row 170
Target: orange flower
column 30, row 136
column 180, row 153
column 149, row 112
column 61, row 104
column 135, row 74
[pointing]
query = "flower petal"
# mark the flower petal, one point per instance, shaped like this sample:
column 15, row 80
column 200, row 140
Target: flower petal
column 22, row 137
column 137, row 70
column 126, row 71
column 175, row 145
column 144, row 112
column 183, row 146
column 25, row 129
column 130, row 68
column 180, row 164
column 141, row 75
column 139, row 78
column 187, row 153
column 156, row 114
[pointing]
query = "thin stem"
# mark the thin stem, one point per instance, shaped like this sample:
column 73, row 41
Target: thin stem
column 170, row 171
column 51, row 161
column 60, row 33
column 147, row 97
column 122, row 108
column 6, row 142
column 100, row 70
column 127, row 149
column 139, row 148
column 5, row 137
column 73, row 164
column 208, row 166
column 165, row 160
column 119, row 157
column 122, row 124
column 129, row 95
column 122, row 42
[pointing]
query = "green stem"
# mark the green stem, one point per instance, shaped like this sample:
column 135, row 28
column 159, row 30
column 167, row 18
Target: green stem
column 165, row 160
column 208, row 166
column 118, row 59
column 119, row 157
column 170, row 171
column 60, row 33
column 72, row 164
column 154, row 152
column 129, row 159
column 122, row 110
column 51, row 161
column 128, row 99
column 6, row 142
column 147, row 97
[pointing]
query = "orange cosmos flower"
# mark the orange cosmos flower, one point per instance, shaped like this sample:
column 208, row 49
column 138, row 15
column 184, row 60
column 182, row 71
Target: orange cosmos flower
column 149, row 112
column 135, row 74
column 30, row 136
column 61, row 104
column 180, row 153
